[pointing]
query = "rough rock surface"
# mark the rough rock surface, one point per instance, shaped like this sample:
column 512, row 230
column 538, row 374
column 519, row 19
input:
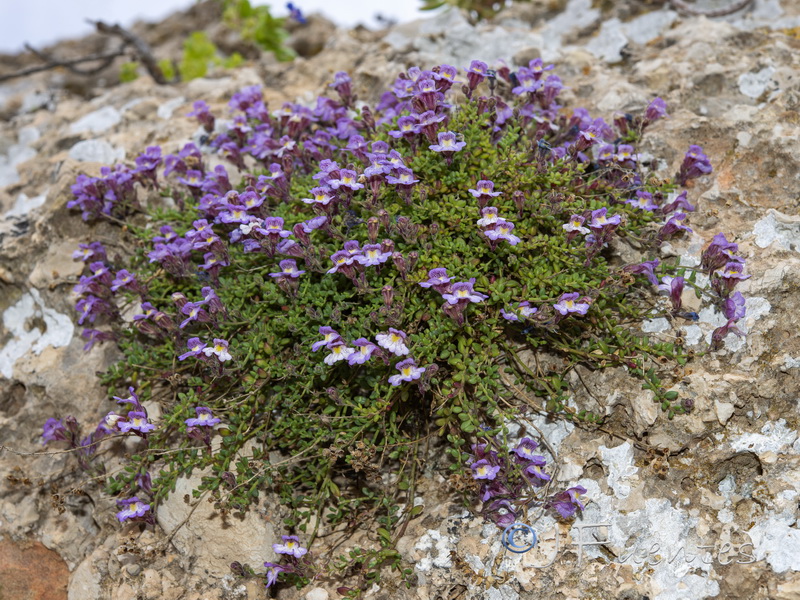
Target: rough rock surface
column 731, row 477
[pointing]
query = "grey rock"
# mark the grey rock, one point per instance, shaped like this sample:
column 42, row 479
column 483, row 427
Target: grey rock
column 98, row 151
column 98, row 121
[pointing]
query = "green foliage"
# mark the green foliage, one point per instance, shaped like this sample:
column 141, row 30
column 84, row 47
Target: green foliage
column 128, row 72
column 167, row 68
column 256, row 24
column 199, row 53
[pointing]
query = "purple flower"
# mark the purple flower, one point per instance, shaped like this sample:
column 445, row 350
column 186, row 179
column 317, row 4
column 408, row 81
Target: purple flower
column 568, row 501
column 196, row 348
column 528, row 82
column 205, row 418
column 646, row 268
column 342, row 85
column 448, row 144
column 535, row 469
column 203, row 114
column 680, row 201
column 405, row 178
column 525, row 448
column 273, row 226
column 727, row 278
column 643, row 200
column 575, row 225
column 372, row 255
column 132, row 508
column 694, row 165
column 219, row 349
column 568, row 304
column 523, row 308
column 719, row 252
column 363, row 352
column 485, row 190
column 122, row 279
column 601, row 220
column 488, row 217
column 476, row 73
column 438, row 280
column 322, row 196
column 406, row 127
column 339, row 351
column 735, row 307
column 54, row 431
column 347, row 179
column 674, row 287
column 483, row 469
column 656, row 110
column 463, row 292
column 409, row 371
column 273, row 570
column 291, row 546
column 501, row 512
column 394, row 341
column 329, row 336
column 137, row 421
column 673, row 225
column 133, row 400
column 93, row 251
column 194, row 311
column 288, row 269
column 502, row 231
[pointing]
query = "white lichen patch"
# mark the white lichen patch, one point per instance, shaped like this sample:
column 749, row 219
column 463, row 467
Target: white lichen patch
column 58, row 330
column 778, row 542
column 619, row 463
column 435, row 542
column 775, row 436
column 779, row 229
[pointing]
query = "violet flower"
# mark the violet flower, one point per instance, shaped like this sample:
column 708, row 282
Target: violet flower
column 364, row 349
column 54, row 431
column 409, row 371
column 673, row 225
column 566, row 503
column 502, row 231
column 273, row 570
column 476, row 73
column 525, row 448
column 679, row 201
column 695, row 164
column 575, row 225
column 137, row 422
column 643, row 200
column 567, row 304
column 290, row 546
column 93, row 251
column 288, row 269
column 438, row 280
column 488, row 217
column 646, row 268
column 657, row 109
column 674, row 287
column 196, row 347
column 483, row 469
column 204, row 418
column 219, row 349
column 329, row 336
column 601, row 220
column 464, row 292
column 394, row 341
column 372, row 255
column 339, row 351
column 448, row 144
column 132, row 508
column 734, row 307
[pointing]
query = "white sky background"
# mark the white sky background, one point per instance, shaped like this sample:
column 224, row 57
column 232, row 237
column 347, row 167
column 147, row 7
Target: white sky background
column 41, row 22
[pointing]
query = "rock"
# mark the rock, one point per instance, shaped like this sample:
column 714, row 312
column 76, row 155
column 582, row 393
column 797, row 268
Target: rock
column 165, row 110
column 212, row 540
column 98, row 121
column 97, row 151
column 317, row 594
column 29, row 571
column 724, row 411
column 19, row 321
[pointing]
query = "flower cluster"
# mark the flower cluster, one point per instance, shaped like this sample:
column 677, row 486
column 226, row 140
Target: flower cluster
column 393, row 342
column 726, row 270
column 297, row 557
column 506, row 479
column 199, row 349
column 496, row 228
column 457, row 296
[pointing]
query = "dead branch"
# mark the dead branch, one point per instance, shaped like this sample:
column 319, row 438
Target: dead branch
column 53, row 63
column 141, row 47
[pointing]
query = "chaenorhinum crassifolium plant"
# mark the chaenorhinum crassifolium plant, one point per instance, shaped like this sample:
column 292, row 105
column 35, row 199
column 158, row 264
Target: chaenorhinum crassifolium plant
column 336, row 283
